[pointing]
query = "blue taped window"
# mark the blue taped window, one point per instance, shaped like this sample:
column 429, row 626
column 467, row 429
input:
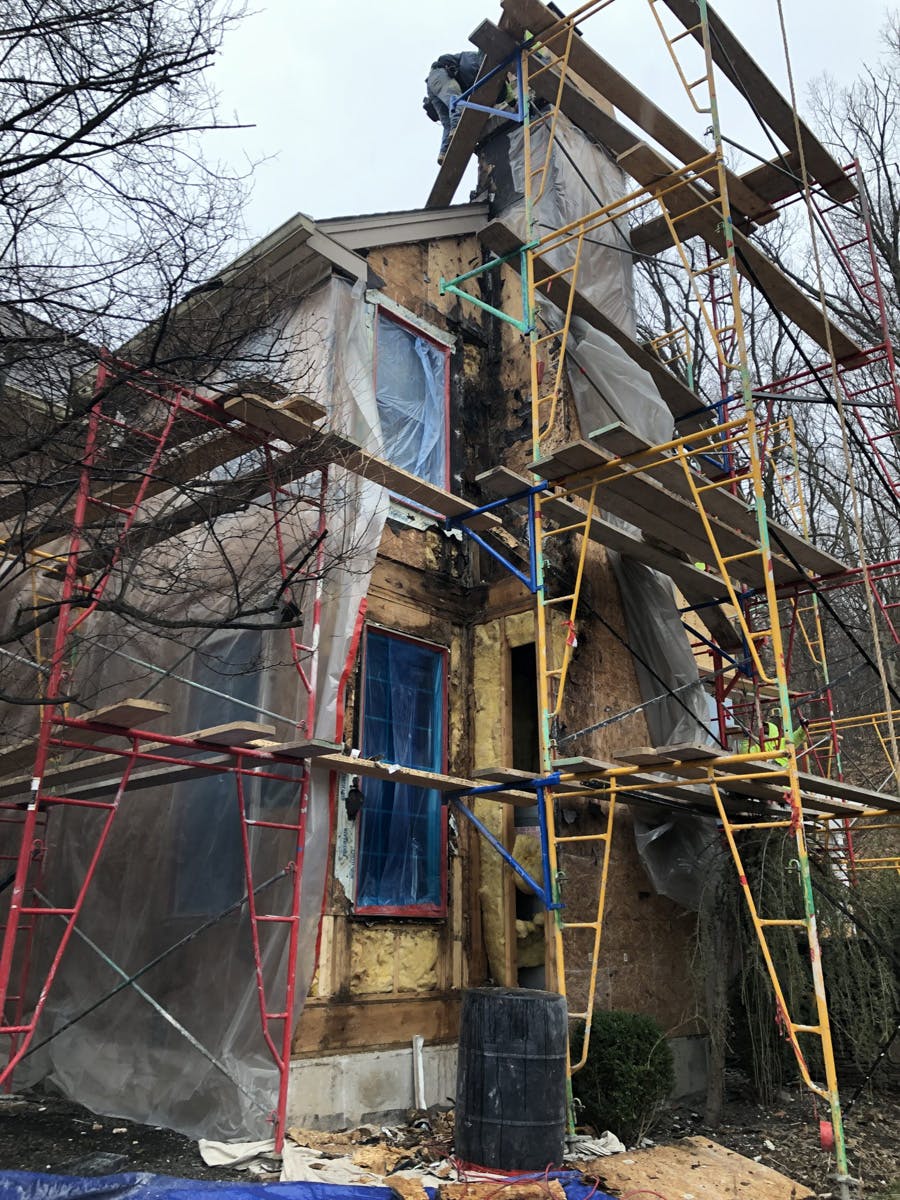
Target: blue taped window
column 411, row 393
column 401, row 849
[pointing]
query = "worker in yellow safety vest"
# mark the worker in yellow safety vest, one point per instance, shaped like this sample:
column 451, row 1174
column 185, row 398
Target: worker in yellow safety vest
column 774, row 742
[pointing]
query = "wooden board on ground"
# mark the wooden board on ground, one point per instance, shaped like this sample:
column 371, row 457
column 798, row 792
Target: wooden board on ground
column 695, row 1167
column 512, row 1189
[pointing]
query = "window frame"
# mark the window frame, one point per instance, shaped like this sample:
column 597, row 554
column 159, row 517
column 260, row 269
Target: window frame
column 431, row 911
column 390, row 314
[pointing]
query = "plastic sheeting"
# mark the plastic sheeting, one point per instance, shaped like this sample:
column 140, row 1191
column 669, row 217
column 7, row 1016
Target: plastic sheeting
column 173, row 857
column 580, row 179
column 400, row 838
column 657, row 636
column 22, row 1185
column 608, row 385
column 410, row 390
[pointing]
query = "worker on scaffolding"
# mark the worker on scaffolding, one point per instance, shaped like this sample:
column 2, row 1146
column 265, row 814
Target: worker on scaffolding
column 449, row 77
column 774, row 741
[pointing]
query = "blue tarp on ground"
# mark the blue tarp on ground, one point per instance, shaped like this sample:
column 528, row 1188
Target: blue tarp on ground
column 23, row 1185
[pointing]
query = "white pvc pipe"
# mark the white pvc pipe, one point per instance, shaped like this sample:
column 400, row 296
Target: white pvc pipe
column 418, row 1045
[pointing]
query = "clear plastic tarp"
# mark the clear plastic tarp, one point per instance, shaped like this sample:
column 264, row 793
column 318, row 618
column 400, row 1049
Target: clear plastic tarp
column 608, row 385
column 677, row 851
column 173, row 861
column 411, row 393
column 580, row 179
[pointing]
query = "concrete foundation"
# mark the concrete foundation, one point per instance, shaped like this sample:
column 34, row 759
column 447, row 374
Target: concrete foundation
column 341, row 1090
column 337, row 1091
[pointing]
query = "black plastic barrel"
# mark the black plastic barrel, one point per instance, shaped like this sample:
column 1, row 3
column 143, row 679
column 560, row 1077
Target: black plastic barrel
column 511, row 1079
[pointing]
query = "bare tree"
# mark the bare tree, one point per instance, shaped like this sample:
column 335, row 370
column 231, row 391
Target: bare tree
column 117, row 229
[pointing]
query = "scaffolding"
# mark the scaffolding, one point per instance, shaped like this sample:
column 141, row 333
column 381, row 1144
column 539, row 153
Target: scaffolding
column 168, row 433
column 701, row 493
column 704, row 491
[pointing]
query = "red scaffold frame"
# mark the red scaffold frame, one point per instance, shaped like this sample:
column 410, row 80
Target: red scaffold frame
column 23, row 1000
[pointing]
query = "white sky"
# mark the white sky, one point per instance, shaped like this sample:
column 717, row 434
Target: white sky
column 334, row 90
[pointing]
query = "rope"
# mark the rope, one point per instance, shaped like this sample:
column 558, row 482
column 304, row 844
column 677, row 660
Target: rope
column 845, row 445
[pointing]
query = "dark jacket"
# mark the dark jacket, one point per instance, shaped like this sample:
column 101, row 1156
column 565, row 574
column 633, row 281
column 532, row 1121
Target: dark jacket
column 462, row 67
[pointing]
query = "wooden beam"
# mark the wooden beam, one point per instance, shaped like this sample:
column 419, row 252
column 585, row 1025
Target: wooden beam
column 103, row 766
column 771, row 181
column 734, row 61
column 638, row 498
column 697, row 587
column 126, row 713
column 465, row 139
column 688, row 205
column 500, row 239
column 376, row 1022
column 393, row 773
column 184, row 463
column 599, row 73
column 769, row 794
column 717, row 502
column 333, row 447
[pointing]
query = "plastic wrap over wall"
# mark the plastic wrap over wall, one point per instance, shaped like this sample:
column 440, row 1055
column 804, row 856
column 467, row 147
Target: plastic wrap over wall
column 580, row 179
column 173, row 860
column 673, row 849
column 608, row 385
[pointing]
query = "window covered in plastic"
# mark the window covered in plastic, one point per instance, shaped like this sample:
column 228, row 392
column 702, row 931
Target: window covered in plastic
column 411, row 391
column 209, row 874
column 400, row 859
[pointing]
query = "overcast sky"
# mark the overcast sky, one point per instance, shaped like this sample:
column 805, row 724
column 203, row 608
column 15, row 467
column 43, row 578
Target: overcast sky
column 334, row 89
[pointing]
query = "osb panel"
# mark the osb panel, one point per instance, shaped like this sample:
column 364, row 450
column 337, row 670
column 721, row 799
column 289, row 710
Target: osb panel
column 412, row 275
column 699, row 1168
column 371, row 959
column 602, row 681
column 646, row 947
column 416, row 960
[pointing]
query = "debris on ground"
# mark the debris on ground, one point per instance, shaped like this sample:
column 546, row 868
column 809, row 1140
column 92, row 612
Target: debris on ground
column 371, row 1154
column 699, row 1166
column 44, row 1133
column 515, row 1189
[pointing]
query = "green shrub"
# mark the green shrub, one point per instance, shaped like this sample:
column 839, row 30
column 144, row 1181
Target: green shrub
column 628, row 1074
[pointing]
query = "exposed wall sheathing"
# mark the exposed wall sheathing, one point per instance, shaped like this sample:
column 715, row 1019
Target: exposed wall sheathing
column 381, row 979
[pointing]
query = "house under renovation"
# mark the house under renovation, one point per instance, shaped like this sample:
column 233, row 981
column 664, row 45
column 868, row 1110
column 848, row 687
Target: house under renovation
column 432, row 636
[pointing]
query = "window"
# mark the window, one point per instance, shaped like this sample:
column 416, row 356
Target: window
column 401, row 856
column 412, row 382
column 209, row 857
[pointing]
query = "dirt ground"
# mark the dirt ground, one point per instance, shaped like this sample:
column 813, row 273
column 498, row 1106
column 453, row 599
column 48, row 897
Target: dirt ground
column 47, row 1134
column 787, row 1138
